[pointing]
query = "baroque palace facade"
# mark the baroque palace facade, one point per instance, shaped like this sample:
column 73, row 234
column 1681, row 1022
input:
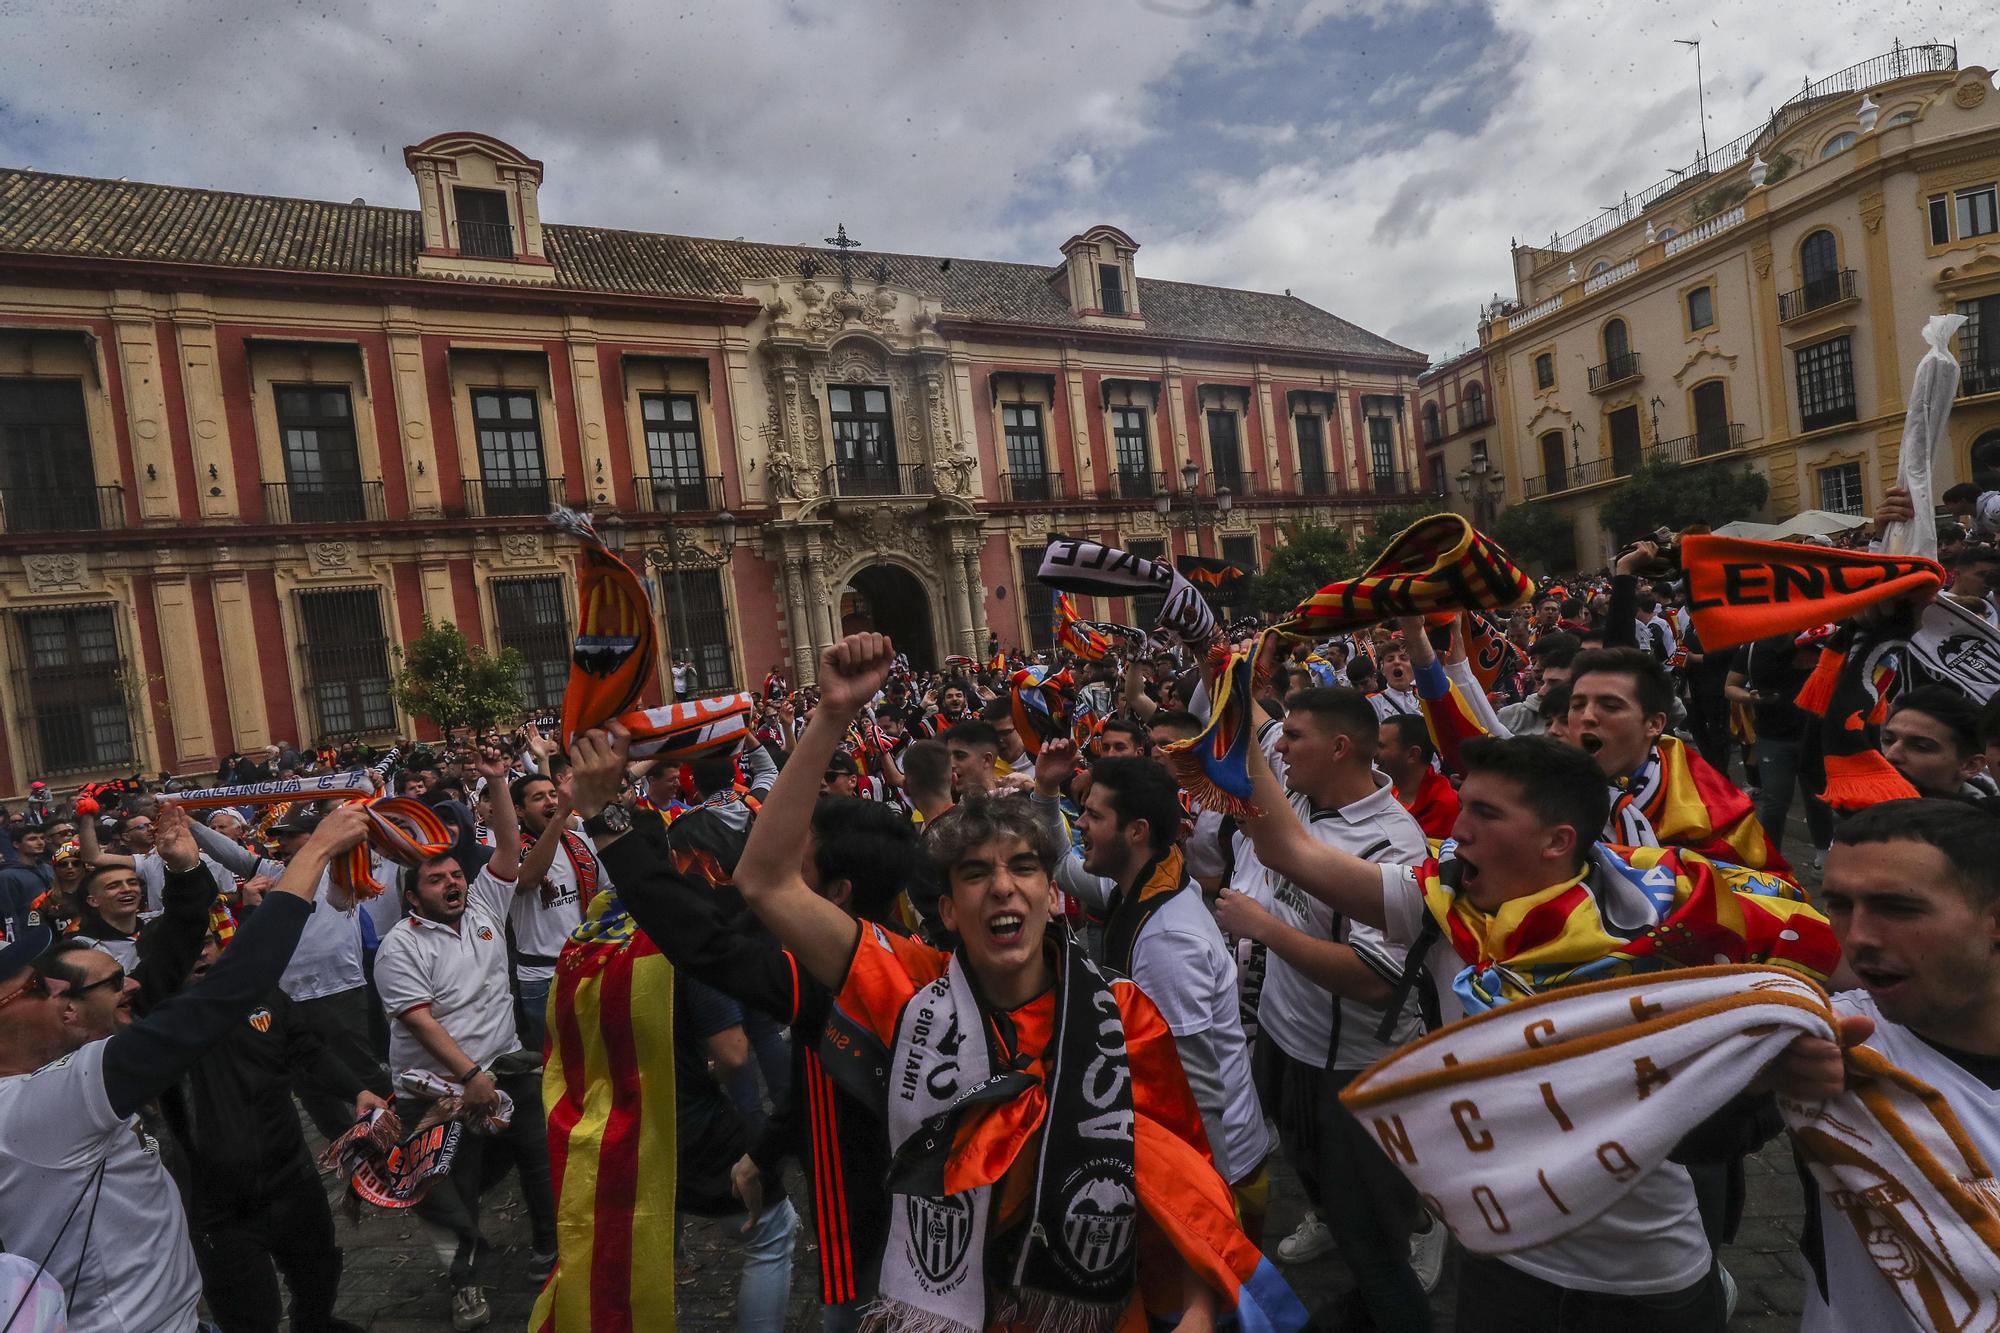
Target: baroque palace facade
column 248, row 444
column 1765, row 306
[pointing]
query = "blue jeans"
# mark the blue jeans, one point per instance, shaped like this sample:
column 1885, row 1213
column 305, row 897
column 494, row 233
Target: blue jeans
column 1777, row 773
column 766, row 1285
column 532, row 1014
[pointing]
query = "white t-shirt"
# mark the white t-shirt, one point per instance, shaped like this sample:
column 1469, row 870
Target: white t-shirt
column 328, row 959
column 542, row 928
column 1304, row 1019
column 1858, row 1299
column 137, row 1272
column 1183, row 964
column 1390, row 702
column 151, row 868
column 459, row 971
column 1648, row 1243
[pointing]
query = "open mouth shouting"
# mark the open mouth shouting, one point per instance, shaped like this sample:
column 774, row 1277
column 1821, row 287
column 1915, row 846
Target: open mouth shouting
column 1005, row 927
column 1883, row 983
column 1590, row 742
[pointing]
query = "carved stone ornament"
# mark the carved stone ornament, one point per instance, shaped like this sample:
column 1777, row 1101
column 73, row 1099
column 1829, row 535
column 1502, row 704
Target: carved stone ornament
column 51, row 573
column 1761, row 257
column 824, row 316
column 521, row 548
column 879, row 529
column 1144, row 523
column 329, row 555
column 1872, row 209
column 1970, row 93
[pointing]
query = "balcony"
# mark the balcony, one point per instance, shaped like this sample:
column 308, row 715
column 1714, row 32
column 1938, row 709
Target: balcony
column 1234, row 480
column 1701, row 444
column 323, row 502
column 522, row 498
column 25, row 509
column 1695, row 235
column 1133, row 484
column 1618, row 370
column 485, row 240
column 1033, row 487
column 1575, row 476
column 1976, row 376
column 1816, row 295
column 1318, row 482
column 876, row 479
column 678, row 495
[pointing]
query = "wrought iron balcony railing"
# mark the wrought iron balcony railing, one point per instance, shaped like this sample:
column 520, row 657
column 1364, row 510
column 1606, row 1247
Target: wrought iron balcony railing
column 1820, row 292
column 486, row 240
column 323, row 502
column 1033, row 487
column 1617, row 370
column 61, row 508
column 877, row 479
column 523, row 498
column 678, row 494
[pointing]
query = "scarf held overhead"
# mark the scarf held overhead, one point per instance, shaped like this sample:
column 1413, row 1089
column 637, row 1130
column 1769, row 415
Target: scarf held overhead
column 1214, row 766
column 614, row 655
column 403, row 830
column 1520, row 1126
column 1105, row 571
column 1740, row 591
column 1040, row 699
column 1438, row 563
column 684, row 732
column 1076, row 636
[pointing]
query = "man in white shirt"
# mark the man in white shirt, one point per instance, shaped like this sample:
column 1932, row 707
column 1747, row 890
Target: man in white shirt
column 1159, row 931
column 1399, row 684
column 1328, row 982
column 442, row 974
column 560, row 876
column 1913, row 891
column 1530, row 811
column 83, row 1183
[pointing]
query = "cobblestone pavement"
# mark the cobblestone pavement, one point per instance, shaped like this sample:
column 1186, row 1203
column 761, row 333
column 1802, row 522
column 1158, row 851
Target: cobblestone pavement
column 394, row 1284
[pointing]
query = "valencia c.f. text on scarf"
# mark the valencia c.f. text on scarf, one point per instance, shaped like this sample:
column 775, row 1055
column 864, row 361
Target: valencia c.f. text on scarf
column 1740, row 591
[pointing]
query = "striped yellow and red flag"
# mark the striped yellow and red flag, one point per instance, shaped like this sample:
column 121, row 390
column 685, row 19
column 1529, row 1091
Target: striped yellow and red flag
column 609, row 1089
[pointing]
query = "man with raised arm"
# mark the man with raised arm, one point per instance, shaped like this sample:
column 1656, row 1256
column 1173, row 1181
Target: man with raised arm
column 1523, row 900
column 1045, row 1138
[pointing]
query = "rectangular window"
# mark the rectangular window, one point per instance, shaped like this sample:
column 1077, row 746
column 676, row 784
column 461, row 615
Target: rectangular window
column 346, row 658
column 46, row 480
column 511, row 477
column 1134, row 459
column 1627, row 446
column 1225, row 451
column 1027, row 457
column 697, row 624
column 1976, row 213
column 1037, row 602
column 1701, row 308
column 1382, row 453
column 673, row 453
column 1545, row 371
column 1111, row 282
column 1310, row 432
column 1826, row 383
column 1979, row 346
column 1840, row 489
column 864, row 441
column 69, row 685
column 322, row 463
column 484, row 230
column 1711, row 418
column 1146, row 607
column 528, row 617
column 1940, row 219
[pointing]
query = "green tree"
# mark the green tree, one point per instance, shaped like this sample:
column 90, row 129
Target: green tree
column 1383, row 527
column 441, row 677
column 1537, row 534
column 1666, row 494
column 1312, row 555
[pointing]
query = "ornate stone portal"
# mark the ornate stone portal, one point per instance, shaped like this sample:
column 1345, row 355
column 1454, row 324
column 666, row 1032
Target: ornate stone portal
column 823, row 335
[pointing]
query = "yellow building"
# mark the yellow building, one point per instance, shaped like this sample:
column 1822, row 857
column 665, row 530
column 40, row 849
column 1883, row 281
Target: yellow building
column 248, row 443
column 1765, row 307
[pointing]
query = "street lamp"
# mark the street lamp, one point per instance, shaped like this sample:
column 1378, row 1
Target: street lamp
column 1195, row 512
column 1481, row 487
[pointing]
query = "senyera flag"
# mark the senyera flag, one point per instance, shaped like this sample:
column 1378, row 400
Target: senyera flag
column 1076, row 636
column 615, row 650
column 1438, row 563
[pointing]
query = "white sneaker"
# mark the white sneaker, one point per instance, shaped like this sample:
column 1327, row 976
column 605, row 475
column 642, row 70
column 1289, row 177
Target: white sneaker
column 469, row 1309
column 1427, row 1249
column 1312, row 1239
column 1729, row 1294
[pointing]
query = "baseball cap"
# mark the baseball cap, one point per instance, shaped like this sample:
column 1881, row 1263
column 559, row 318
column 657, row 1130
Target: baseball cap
column 298, row 821
column 842, row 762
column 27, row 938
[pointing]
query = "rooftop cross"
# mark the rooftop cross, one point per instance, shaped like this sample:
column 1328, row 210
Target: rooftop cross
column 840, row 241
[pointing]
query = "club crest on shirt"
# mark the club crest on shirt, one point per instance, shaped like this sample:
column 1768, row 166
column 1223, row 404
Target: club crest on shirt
column 260, row 1019
column 1098, row 1221
column 486, row 932
column 940, row 1230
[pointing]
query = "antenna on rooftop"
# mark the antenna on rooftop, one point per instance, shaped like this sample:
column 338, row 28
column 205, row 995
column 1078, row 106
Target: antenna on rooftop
column 1700, row 94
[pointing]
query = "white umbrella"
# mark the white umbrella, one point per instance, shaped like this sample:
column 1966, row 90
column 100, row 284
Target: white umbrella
column 1819, row 523
column 1931, row 395
column 1743, row 527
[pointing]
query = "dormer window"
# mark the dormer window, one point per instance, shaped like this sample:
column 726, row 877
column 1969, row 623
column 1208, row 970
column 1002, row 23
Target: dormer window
column 484, row 229
column 1111, row 285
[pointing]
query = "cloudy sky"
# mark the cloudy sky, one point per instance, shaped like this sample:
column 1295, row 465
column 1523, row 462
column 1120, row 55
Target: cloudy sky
column 1375, row 156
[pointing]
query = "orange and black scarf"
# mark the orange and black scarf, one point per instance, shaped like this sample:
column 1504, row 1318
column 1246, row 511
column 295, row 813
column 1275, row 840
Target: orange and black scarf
column 1438, row 563
column 615, row 654
column 1158, row 883
column 1740, row 591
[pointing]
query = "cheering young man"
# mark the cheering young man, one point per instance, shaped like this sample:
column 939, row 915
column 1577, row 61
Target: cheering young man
column 1913, row 891
column 1045, row 1137
column 1523, row 901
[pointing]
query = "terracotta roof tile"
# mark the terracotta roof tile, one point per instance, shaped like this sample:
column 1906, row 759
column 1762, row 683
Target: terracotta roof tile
column 41, row 213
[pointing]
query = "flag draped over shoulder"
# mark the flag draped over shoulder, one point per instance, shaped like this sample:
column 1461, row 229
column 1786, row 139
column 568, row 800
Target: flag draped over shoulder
column 615, row 653
column 1438, row 563
column 1105, row 571
column 1076, row 636
column 1041, row 705
column 1740, row 591
column 1214, row 767
column 609, row 1089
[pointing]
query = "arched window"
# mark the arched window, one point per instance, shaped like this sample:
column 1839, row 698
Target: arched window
column 1432, row 434
column 1839, row 143
column 1668, row 233
column 1599, row 267
column 1900, row 118
column 1555, row 470
column 1473, row 411
column 1986, row 456
column 1616, row 345
column 1819, row 269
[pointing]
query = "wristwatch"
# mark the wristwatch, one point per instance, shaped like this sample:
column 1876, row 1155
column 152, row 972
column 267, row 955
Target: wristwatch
column 611, row 821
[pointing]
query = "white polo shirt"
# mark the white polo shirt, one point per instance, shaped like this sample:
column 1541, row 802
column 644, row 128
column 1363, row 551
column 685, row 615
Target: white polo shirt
column 136, row 1271
column 459, row 972
column 544, row 917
